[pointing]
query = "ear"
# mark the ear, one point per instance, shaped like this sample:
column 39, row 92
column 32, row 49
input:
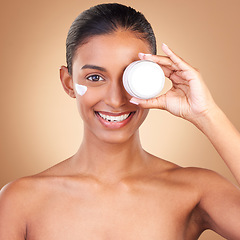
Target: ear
column 67, row 81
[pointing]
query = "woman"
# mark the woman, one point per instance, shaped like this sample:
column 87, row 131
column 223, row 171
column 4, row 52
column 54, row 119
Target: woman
column 111, row 188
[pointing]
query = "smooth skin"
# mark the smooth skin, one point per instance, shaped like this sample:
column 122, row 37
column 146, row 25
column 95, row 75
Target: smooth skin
column 111, row 188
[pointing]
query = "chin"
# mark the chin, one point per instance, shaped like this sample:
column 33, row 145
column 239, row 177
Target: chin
column 117, row 137
column 113, row 136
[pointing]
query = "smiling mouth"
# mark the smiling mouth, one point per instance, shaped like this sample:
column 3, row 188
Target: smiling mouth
column 114, row 118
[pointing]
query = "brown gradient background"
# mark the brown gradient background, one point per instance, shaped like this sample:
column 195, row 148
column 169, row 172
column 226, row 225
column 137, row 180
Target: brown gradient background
column 40, row 125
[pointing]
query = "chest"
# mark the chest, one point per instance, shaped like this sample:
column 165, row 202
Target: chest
column 114, row 215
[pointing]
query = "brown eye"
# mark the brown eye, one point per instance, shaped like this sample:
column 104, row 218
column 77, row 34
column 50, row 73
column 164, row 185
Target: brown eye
column 95, row 78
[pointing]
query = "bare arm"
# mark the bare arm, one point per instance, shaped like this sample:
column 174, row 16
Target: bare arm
column 12, row 221
column 190, row 99
column 221, row 201
column 224, row 137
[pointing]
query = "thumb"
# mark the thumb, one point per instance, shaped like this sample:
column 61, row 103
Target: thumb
column 159, row 102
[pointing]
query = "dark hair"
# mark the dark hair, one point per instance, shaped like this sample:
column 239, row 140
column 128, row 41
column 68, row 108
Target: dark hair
column 105, row 19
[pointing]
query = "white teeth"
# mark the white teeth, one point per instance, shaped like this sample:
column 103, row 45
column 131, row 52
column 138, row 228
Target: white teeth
column 114, row 118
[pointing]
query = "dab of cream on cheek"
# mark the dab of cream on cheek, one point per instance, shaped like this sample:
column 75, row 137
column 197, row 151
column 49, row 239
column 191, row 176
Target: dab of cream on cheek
column 81, row 89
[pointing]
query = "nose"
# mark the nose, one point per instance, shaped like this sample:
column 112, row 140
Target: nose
column 116, row 95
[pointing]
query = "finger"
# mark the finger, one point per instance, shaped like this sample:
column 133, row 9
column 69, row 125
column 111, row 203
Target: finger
column 161, row 60
column 174, row 76
column 159, row 102
column 176, row 59
column 181, row 86
column 167, row 71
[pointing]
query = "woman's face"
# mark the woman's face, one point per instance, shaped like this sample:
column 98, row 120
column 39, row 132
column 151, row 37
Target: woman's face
column 105, row 108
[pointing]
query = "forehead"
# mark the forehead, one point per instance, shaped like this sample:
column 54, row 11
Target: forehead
column 121, row 46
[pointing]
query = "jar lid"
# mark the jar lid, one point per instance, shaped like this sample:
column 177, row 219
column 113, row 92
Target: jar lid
column 143, row 79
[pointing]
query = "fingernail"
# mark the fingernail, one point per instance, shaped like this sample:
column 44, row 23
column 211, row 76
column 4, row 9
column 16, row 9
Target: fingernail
column 165, row 45
column 141, row 55
column 133, row 102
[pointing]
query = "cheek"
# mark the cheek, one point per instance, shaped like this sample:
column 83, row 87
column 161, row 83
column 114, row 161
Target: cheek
column 94, row 95
column 80, row 89
column 87, row 98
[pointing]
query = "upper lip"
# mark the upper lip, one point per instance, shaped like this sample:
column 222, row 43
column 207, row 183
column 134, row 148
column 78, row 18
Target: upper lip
column 114, row 113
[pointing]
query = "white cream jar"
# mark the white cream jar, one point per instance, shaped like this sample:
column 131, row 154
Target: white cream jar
column 143, row 79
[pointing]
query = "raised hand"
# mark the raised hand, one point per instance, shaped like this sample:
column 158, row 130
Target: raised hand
column 189, row 97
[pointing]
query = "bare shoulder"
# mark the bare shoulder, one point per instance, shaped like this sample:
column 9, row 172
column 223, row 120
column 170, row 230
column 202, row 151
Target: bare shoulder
column 15, row 190
column 21, row 197
column 206, row 182
column 18, row 193
column 28, row 185
column 203, row 178
column 193, row 175
column 218, row 198
column 27, row 191
column 31, row 189
column 15, row 203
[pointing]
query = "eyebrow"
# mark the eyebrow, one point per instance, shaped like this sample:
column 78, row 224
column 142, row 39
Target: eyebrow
column 88, row 66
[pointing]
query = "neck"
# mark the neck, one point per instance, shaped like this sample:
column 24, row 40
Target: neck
column 110, row 162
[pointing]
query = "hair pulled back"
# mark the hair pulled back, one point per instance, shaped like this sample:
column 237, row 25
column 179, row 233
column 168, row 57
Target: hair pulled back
column 106, row 19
